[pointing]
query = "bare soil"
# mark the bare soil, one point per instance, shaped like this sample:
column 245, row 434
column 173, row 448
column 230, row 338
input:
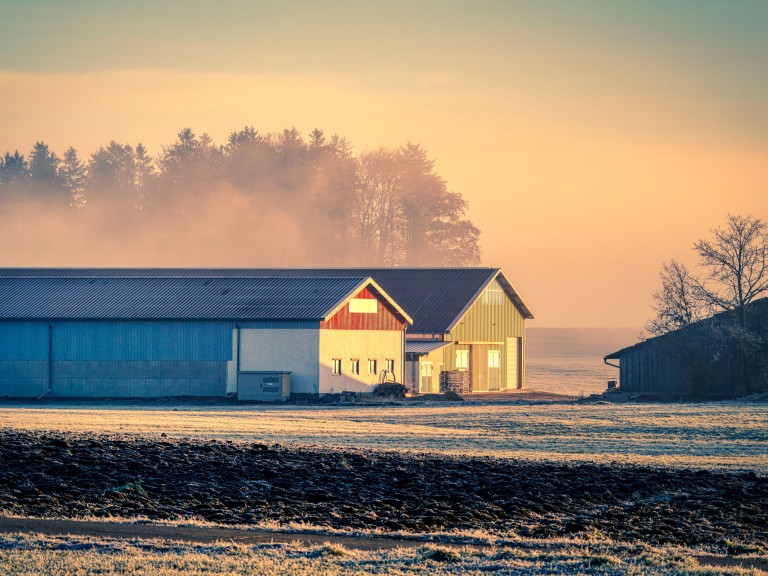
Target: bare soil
column 71, row 475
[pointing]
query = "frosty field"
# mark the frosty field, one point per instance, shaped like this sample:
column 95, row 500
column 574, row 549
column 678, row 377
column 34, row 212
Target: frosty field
column 172, row 462
column 716, row 435
column 35, row 554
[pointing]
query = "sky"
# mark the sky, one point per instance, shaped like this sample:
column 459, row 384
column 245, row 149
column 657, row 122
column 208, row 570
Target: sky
column 592, row 140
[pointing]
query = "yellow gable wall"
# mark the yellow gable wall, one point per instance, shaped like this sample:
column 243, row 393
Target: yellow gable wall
column 492, row 318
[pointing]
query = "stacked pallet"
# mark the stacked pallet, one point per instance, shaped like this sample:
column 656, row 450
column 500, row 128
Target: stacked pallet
column 455, row 381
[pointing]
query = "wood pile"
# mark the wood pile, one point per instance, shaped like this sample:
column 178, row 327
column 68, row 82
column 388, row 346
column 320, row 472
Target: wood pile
column 455, row 381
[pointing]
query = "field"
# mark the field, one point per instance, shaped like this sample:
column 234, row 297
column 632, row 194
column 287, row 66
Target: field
column 726, row 435
column 514, row 487
column 25, row 554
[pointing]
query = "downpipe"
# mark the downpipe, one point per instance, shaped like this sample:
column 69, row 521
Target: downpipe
column 50, row 363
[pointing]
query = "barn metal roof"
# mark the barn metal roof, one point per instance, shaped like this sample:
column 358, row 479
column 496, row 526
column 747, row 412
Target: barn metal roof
column 124, row 297
column 436, row 298
column 757, row 307
column 422, row 347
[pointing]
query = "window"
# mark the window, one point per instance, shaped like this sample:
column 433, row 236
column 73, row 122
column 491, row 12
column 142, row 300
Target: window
column 363, row 305
column 390, row 364
column 493, row 295
column 371, row 365
column 426, row 377
column 354, row 366
column 336, row 366
column 493, row 358
column 462, row 359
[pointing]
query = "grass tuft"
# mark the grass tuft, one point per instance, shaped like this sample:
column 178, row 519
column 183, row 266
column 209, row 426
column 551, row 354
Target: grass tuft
column 440, row 554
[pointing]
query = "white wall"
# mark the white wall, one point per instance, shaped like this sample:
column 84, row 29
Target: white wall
column 283, row 349
column 362, row 344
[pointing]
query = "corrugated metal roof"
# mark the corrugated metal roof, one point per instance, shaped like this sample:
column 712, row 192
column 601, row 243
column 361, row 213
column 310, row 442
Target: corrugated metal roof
column 434, row 297
column 758, row 307
column 121, row 297
column 421, row 347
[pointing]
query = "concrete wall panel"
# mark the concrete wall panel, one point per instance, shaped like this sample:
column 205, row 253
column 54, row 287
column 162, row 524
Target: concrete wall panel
column 283, row 350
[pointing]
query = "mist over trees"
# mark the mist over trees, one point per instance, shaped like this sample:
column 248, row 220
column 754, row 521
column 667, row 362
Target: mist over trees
column 273, row 199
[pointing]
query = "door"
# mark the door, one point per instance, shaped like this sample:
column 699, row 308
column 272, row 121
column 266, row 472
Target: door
column 426, row 377
column 494, row 371
column 513, row 363
column 479, row 367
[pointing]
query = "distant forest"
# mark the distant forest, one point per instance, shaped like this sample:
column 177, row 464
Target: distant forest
column 271, row 199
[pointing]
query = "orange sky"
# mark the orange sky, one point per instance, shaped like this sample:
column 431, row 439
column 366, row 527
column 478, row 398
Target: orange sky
column 592, row 142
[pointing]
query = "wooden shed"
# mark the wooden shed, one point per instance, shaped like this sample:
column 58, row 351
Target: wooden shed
column 713, row 358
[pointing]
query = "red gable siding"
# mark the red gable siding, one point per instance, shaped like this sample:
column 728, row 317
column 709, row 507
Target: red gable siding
column 384, row 319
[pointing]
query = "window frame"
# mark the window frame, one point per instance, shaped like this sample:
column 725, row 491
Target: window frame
column 465, row 364
column 496, row 354
column 336, row 366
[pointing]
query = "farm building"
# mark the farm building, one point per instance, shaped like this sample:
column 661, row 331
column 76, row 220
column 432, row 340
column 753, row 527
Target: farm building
column 468, row 323
column 713, row 358
column 132, row 336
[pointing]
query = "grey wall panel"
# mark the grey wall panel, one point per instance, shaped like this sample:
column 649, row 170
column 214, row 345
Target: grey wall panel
column 23, row 340
column 124, row 380
column 14, row 368
column 142, row 340
column 123, row 387
column 79, row 387
column 153, row 388
column 138, row 387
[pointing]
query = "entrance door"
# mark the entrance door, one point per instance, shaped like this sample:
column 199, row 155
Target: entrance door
column 426, row 377
column 513, row 364
column 494, row 371
column 479, row 367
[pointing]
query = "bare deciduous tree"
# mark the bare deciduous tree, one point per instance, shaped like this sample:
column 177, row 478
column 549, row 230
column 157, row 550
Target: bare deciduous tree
column 734, row 273
column 676, row 303
column 736, row 265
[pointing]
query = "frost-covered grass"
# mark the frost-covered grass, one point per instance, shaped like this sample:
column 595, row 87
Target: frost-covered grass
column 35, row 554
column 714, row 435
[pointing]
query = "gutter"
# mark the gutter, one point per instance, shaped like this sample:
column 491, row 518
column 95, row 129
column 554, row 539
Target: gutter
column 605, row 359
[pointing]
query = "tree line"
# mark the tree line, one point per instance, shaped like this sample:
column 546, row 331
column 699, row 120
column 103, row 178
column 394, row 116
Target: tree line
column 381, row 207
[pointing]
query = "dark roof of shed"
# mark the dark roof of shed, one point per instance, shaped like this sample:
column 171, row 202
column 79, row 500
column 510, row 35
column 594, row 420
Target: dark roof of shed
column 759, row 307
column 436, row 298
column 121, row 297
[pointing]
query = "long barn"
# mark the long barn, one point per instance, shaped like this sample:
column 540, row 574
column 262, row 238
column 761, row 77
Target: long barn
column 468, row 323
column 114, row 335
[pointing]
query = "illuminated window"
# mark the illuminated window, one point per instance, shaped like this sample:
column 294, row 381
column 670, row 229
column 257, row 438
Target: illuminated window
column 354, row 366
column 363, row 305
column 336, row 366
column 493, row 295
column 462, row 359
column 390, row 364
column 493, row 358
column 371, row 365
